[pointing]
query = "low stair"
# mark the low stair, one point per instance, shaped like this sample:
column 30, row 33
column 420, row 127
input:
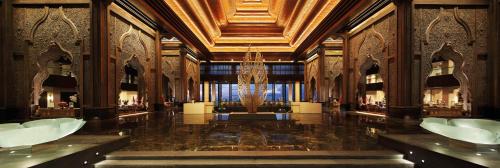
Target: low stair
column 254, row 159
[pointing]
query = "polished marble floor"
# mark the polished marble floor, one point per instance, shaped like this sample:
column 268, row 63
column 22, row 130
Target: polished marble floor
column 215, row 132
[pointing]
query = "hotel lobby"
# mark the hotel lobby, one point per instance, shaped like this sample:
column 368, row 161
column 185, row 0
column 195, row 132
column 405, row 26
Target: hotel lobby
column 250, row 83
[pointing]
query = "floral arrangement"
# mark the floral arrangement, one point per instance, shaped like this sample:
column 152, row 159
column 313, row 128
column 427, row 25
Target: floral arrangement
column 62, row 104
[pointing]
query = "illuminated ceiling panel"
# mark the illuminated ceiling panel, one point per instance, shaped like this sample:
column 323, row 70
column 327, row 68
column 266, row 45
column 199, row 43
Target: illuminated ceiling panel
column 271, row 25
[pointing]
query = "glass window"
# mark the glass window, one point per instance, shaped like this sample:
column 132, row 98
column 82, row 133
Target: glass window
column 269, row 92
column 234, row 93
column 225, row 92
column 278, row 91
column 217, row 98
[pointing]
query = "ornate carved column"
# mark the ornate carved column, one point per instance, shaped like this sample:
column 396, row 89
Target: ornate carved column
column 345, row 100
column 401, row 72
column 158, row 76
column 3, row 57
column 95, row 84
column 183, row 86
column 494, row 50
column 323, row 85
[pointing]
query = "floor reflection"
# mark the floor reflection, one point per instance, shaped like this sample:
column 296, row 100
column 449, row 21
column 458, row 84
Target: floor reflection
column 215, row 132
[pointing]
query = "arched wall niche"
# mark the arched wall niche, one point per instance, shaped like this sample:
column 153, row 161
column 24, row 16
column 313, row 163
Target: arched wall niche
column 141, row 81
column 53, row 33
column 53, row 53
column 312, row 73
column 132, row 50
column 457, row 35
column 192, row 73
column 169, row 72
column 333, row 75
column 375, row 38
column 372, row 51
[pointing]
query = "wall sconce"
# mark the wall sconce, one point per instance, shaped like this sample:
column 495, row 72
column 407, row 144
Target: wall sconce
column 50, row 97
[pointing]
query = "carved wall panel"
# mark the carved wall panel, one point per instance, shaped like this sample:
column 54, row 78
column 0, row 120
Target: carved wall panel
column 130, row 43
column 459, row 34
column 374, row 44
column 172, row 70
column 41, row 34
column 312, row 73
column 192, row 72
column 333, row 69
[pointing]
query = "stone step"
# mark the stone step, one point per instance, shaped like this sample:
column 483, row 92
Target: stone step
column 165, row 155
column 257, row 163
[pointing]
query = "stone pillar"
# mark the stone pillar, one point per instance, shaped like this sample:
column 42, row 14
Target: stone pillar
column 297, row 91
column 206, row 91
column 213, row 91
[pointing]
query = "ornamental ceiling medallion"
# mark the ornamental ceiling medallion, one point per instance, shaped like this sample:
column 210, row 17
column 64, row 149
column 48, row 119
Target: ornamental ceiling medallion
column 252, row 81
column 272, row 25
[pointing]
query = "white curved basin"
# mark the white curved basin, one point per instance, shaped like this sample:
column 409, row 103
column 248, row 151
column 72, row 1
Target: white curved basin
column 38, row 131
column 479, row 131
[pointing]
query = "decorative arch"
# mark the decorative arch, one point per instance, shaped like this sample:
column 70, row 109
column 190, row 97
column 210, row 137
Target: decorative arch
column 54, row 52
column 62, row 16
column 369, row 62
column 192, row 74
column 141, row 86
column 372, row 48
column 457, row 18
column 169, row 73
column 447, row 52
column 448, row 48
column 312, row 73
column 139, row 61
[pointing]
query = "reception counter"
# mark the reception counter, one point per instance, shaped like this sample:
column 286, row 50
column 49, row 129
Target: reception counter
column 306, row 107
column 198, row 107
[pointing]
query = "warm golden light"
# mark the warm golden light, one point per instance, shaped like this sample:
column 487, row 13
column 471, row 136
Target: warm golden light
column 230, row 25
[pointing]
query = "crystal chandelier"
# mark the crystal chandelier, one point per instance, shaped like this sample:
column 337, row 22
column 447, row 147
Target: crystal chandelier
column 252, row 81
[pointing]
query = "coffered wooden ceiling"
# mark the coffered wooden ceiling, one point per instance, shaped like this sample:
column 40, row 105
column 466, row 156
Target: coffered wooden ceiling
column 269, row 25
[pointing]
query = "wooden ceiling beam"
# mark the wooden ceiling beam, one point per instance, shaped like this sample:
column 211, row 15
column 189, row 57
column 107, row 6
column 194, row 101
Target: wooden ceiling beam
column 167, row 18
column 334, row 21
